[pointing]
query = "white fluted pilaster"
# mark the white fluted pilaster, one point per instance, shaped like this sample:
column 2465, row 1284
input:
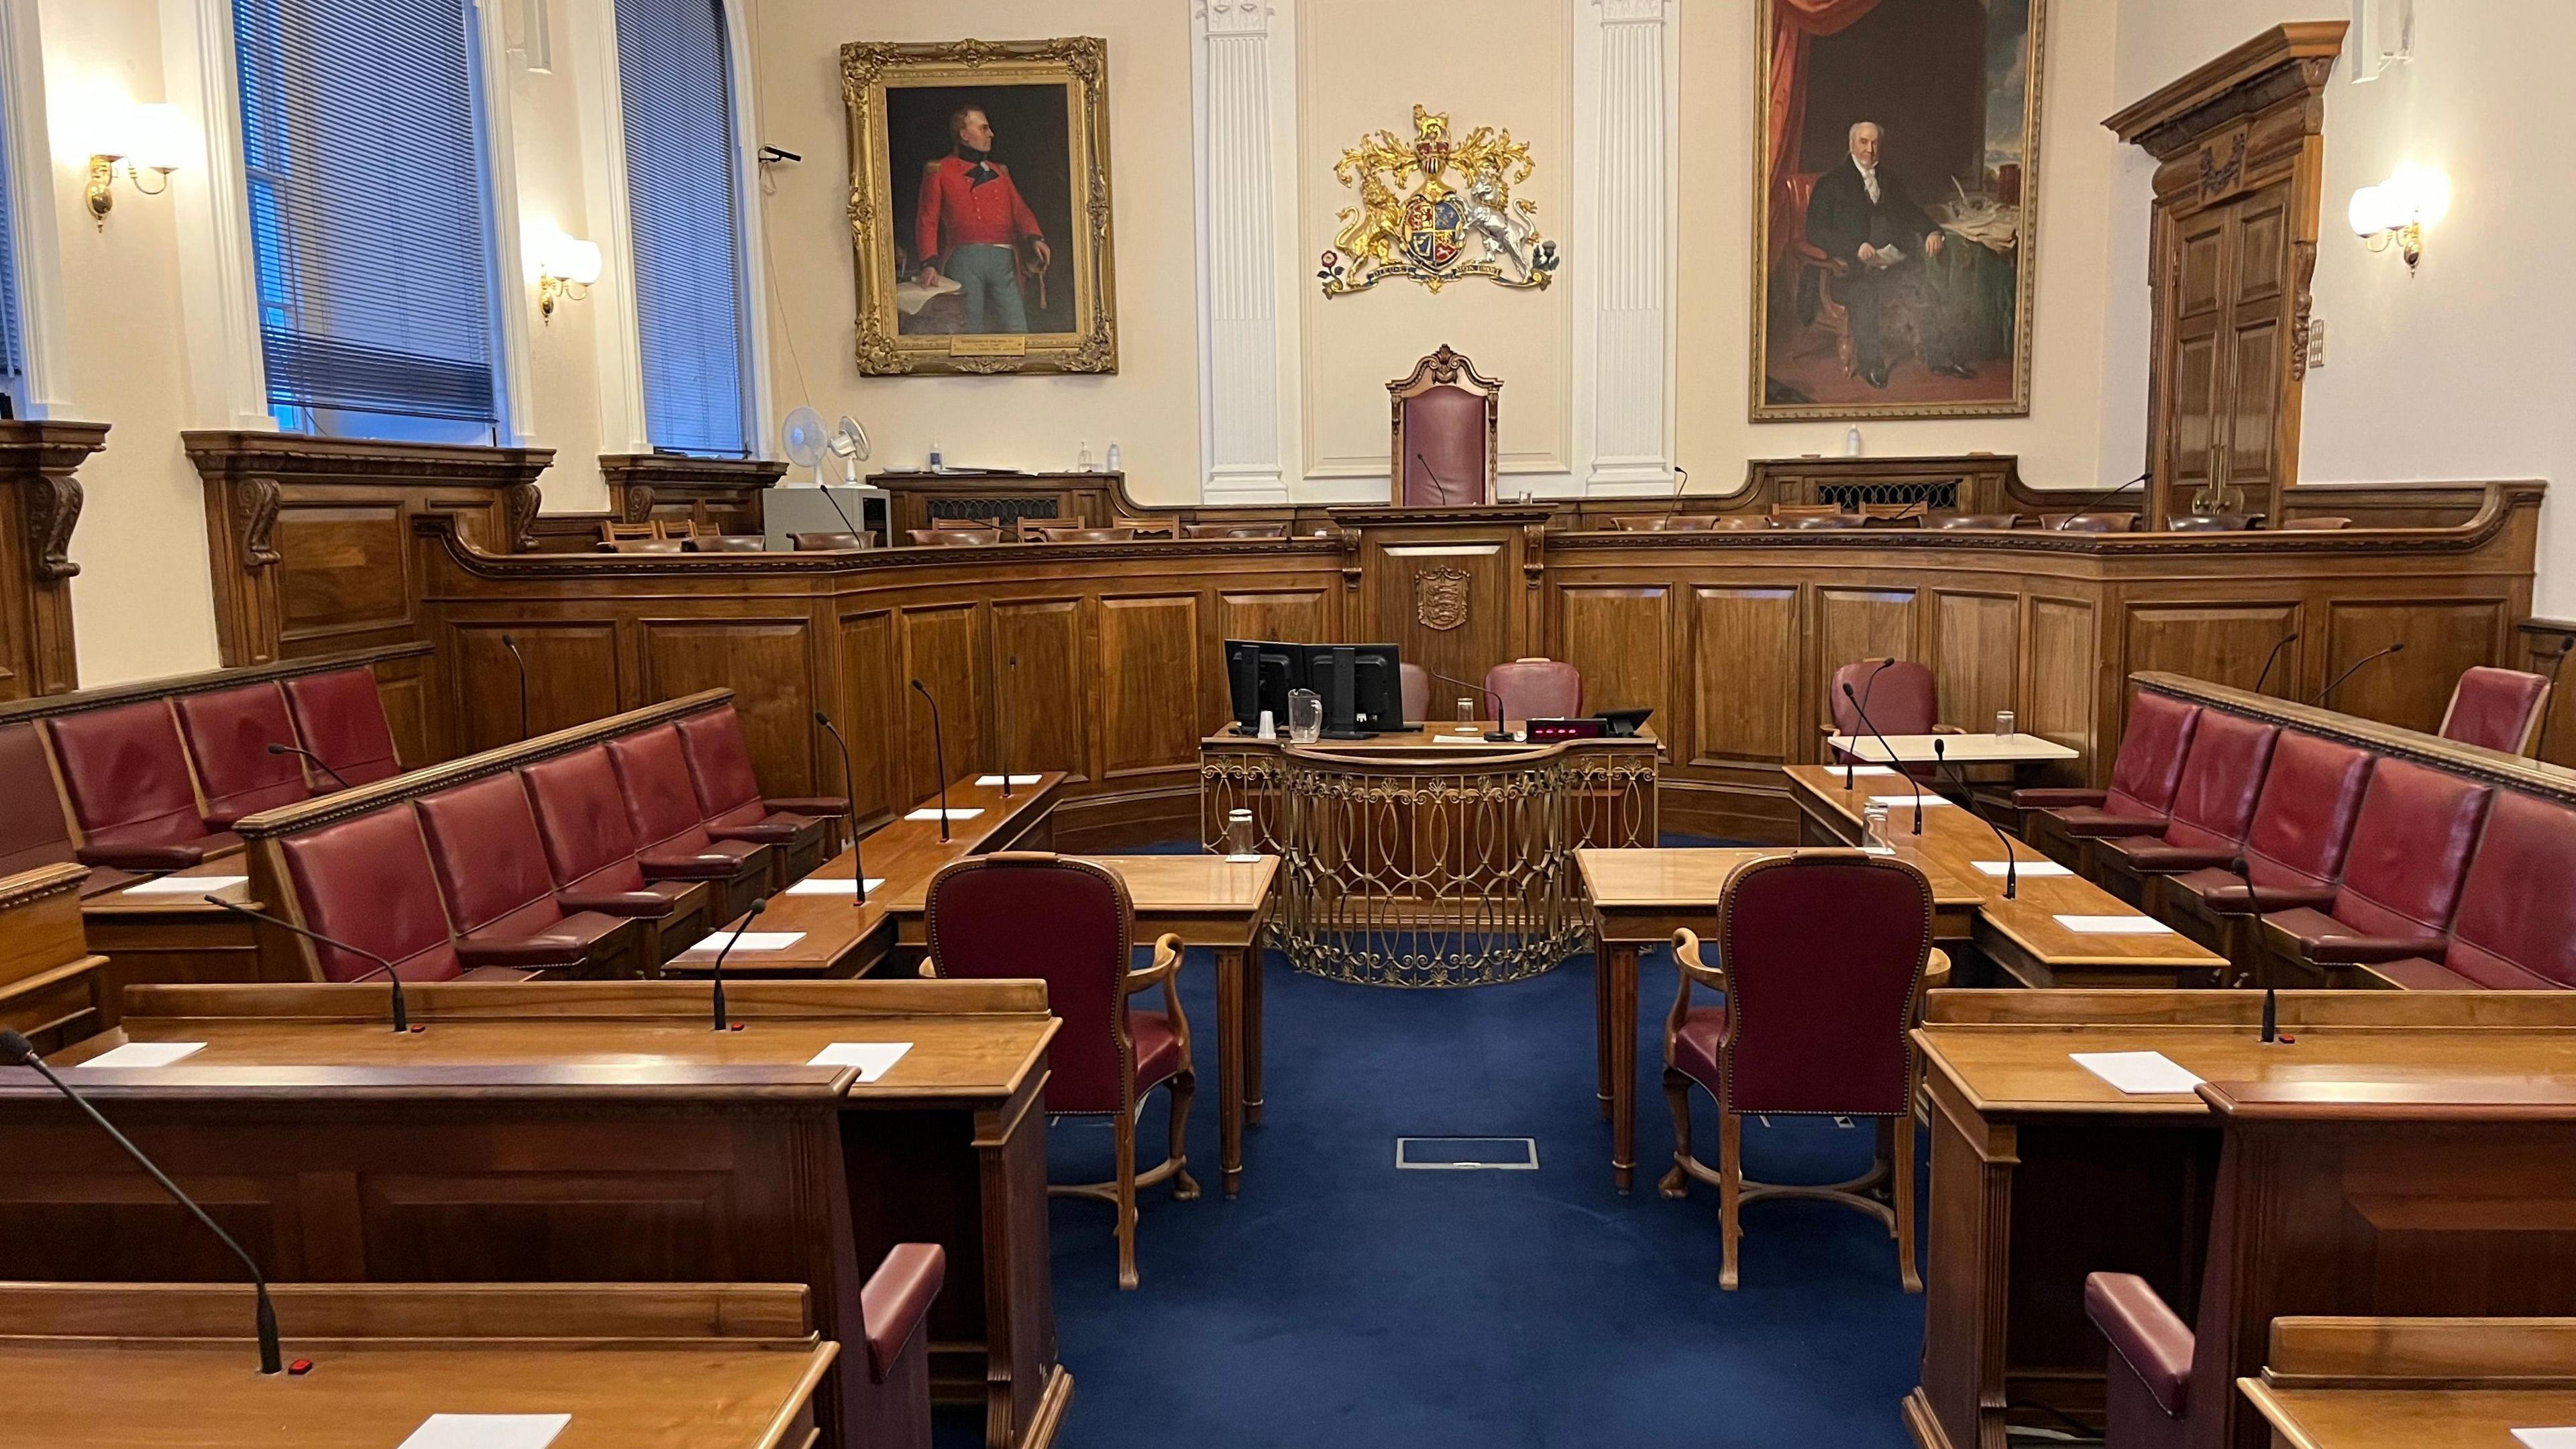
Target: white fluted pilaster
column 1631, row 251
column 1242, row 256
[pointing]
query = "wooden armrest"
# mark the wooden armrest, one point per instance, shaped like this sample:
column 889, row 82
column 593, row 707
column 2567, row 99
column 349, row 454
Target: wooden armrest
column 1167, row 964
column 1936, row 971
column 1942, row 729
column 1686, row 955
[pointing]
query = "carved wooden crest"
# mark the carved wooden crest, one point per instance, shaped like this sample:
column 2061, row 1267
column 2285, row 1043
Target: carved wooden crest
column 1440, row 598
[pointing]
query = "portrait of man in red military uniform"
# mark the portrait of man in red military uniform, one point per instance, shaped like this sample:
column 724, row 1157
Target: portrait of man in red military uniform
column 974, row 229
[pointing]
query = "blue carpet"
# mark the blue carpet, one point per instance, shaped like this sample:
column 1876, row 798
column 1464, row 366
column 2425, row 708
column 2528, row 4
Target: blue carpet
column 1340, row 1302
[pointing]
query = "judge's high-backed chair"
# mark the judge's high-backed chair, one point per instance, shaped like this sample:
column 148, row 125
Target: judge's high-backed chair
column 1447, row 428
column 2214, row 803
column 2293, row 851
column 2143, row 780
column 369, row 882
column 126, row 773
column 2515, row 928
column 1902, row 699
column 1022, row 914
column 2401, row 880
column 2498, row 708
column 662, row 804
column 801, row 830
column 1415, row 682
column 824, row 542
column 592, row 854
column 500, row 897
column 1741, row 523
column 1815, row 1023
column 1528, row 689
column 341, row 719
column 228, row 733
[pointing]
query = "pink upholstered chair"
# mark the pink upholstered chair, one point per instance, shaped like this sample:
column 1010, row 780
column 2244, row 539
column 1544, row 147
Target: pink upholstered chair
column 1415, row 682
column 1902, row 699
column 1815, row 1023
column 1528, row 689
column 1017, row 914
column 1446, row 424
column 2498, row 708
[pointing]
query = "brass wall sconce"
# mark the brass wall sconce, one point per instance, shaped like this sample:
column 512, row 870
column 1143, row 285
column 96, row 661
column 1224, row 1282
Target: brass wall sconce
column 2395, row 212
column 566, row 266
column 155, row 139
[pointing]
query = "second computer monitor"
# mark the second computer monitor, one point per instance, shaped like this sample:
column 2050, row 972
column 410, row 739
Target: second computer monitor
column 1362, row 687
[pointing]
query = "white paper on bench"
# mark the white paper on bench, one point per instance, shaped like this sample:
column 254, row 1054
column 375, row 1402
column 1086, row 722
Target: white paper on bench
column 931, row 812
column 1864, row 771
column 813, row 887
column 2114, row 926
column 145, row 1054
column 1931, row 800
column 2545, row 1438
column 487, row 1431
column 751, row 941
column 2136, row 1072
column 872, row 1058
column 185, row 885
column 2025, row 869
column 1015, row 779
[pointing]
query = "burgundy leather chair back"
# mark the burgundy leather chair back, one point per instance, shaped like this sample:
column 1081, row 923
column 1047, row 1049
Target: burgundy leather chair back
column 1818, row 1019
column 661, row 800
column 32, row 829
column 2152, row 750
column 2221, row 779
column 228, row 733
column 2409, row 847
column 1415, row 682
column 2304, row 821
column 2497, row 708
column 2516, row 925
column 343, row 721
column 1904, row 701
column 720, row 766
column 1444, row 427
column 490, row 861
column 581, row 817
column 127, row 775
column 1536, row 689
column 369, row 882
column 1018, row 915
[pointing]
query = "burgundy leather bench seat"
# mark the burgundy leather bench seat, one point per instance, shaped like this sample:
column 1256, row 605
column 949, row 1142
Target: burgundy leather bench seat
column 2515, row 928
column 126, row 774
column 2401, row 879
column 2294, row 849
column 591, row 850
column 730, row 802
column 500, row 895
column 369, row 882
column 30, row 833
column 228, row 734
column 342, row 721
column 2222, row 778
column 652, row 776
column 2143, row 779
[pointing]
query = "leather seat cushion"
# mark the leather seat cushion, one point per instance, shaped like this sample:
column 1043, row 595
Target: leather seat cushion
column 491, row 864
column 127, row 774
column 228, row 733
column 342, row 719
column 719, row 761
column 1158, row 1051
column 582, row 818
column 2410, row 847
column 33, row 831
column 2414, row 973
column 1696, row 1045
column 2516, row 923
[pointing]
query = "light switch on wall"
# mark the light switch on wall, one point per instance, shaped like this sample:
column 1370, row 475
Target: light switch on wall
column 2316, row 343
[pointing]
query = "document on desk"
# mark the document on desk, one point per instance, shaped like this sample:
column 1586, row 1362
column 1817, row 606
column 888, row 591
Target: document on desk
column 2138, row 1072
column 1015, row 779
column 1931, row 801
column 811, row 886
column 145, row 1054
column 2545, row 1438
column 751, row 941
column 872, row 1058
column 2115, row 926
column 1864, row 771
column 932, row 813
column 487, row 1431
column 2025, row 869
column 186, row 885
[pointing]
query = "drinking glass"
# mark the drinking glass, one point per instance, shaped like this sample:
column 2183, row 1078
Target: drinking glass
column 1238, row 835
column 2003, row 724
column 1873, row 817
column 1466, row 717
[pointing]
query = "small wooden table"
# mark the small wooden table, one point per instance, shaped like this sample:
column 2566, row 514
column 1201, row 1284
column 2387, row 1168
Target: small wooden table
column 50, row 985
column 1962, row 750
column 1638, row 899
column 636, row 1366
column 2414, row 1383
column 1207, row 900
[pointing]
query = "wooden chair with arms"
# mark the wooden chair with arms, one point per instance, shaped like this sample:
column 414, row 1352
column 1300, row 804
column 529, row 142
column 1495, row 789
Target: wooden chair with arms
column 1446, row 433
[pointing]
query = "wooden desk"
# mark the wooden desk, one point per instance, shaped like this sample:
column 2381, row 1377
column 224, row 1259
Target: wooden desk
column 1960, row 750
column 174, row 938
column 845, row 937
column 2042, row 1172
column 1207, row 900
column 50, row 984
column 636, row 1366
column 1638, row 899
column 2414, row 1383
column 581, row 1131
column 2023, row 935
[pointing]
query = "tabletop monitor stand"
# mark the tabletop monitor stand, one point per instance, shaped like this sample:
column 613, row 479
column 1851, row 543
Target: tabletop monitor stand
column 1341, row 698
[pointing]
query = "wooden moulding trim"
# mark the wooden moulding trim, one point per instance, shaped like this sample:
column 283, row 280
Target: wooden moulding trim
column 580, row 565
column 2466, row 1100
column 266, row 1088
column 2015, row 1009
column 205, row 682
column 2488, row 767
column 592, row 1000
column 350, row 462
column 29, row 886
column 2203, row 87
column 2547, row 628
column 412, row 784
column 758, row 1314
column 665, row 470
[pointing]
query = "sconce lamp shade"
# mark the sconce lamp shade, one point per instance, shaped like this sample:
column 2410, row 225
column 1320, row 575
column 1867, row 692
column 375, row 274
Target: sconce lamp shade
column 2416, row 195
column 158, row 138
column 568, row 259
column 2369, row 212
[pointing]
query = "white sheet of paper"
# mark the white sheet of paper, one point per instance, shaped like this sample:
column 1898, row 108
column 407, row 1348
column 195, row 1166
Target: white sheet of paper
column 1253, row 859
column 1865, row 771
column 2025, row 869
column 1906, row 802
column 932, row 813
column 996, row 780
column 185, row 885
column 145, row 1054
column 810, row 887
column 2114, row 926
column 2136, row 1072
column 872, row 1058
column 487, row 1431
column 2545, row 1438
column 751, row 941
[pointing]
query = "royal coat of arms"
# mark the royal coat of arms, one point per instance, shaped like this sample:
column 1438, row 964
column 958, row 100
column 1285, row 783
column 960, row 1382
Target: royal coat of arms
column 1456, row 220
column 1440, row 598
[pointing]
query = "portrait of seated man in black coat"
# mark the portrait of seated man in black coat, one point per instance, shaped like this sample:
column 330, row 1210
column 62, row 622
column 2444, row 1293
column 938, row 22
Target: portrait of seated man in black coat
column 1862, row 219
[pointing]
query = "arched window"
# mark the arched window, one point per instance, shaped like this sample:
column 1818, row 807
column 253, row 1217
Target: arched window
column 675, row 82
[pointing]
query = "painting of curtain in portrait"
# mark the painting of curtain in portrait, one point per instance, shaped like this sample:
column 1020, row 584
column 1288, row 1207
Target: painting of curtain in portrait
column 1895, row 215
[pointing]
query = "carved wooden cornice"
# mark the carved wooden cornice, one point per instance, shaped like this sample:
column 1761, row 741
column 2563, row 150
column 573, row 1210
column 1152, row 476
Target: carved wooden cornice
column 39, row 459
column 2274, row 66
column 37, row 464
column 597, row 565
column 309, row 461
column 30, row 886
column 1364, row 515
column 636, row 481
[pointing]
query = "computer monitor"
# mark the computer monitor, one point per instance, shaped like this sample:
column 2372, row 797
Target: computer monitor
column 1258, row 676
column 1362, row 687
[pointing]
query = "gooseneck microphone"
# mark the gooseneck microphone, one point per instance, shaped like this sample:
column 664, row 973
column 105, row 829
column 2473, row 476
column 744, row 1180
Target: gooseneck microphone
column 1906, row 774
column 748, row 917
column 1681, row 480
column 939, row 757
column 316, row 761
column 850, row 788
column 2099, row 498
column 1851, row 759
column 2012, row 863
column 522, row 661
column 1498, row 735
column 402, row 1014
column 838, row 511
column 17, row 1051
column 2286, row 641
column 1436, row 481
column 2397, row 648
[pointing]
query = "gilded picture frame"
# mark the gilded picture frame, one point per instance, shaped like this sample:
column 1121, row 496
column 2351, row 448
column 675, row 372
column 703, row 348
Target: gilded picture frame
column 958, row 274
column 1945, row 331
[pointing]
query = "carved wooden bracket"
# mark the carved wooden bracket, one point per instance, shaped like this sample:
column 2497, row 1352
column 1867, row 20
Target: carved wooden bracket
column 255, row 519
column 53, row 511
column 37, row 460
column 519, row 502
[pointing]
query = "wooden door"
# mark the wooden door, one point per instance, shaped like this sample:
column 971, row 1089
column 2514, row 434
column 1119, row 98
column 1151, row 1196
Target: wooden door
column 2229, row 366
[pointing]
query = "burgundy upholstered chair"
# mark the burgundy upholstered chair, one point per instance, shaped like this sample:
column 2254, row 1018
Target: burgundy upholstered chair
column 1528, row 689
column 342, row 720
column 2147, row 1393
column 894, row 1309
column 2401, row 877
column 1815, row 1023
column 592, row 854
column 2498, row 708
column 126, row 773
column 2515, row 928
column 500, row 897
column 33, row 831
column 1902, row 699
column 662, row 805
column 802, row 830
column 228, row 734
column 1415, row 682
column 2294, row 848
column 1446, row 416
column 2143, row 780
column 2213, row 805
column 1017, row 914
column 368, row 881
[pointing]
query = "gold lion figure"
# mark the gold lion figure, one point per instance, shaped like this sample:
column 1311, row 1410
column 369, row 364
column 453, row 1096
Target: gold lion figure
column 1373, row 231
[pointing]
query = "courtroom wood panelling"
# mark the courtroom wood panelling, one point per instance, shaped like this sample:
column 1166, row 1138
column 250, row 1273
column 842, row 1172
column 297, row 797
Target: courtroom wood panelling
column 872, row 691
column 1853, row 624
column 2222, row 643
column 1744, row 677
column 2059, row 672
column 1620, row 639
column 1976, row 655
column 2442, row 638
column 774, row 655
column 573, row 678
column 40, row 505
column 943, row 648
column 2545, row 644
column 348, row 581
column 1153, row 712
column 1032, row 728
column 1291, row 617
column 723, row 493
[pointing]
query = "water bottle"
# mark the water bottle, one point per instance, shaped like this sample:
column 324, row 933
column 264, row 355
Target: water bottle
column 937, row 465
column 1113, row 455
column 1082, row 460
column 1851, row 443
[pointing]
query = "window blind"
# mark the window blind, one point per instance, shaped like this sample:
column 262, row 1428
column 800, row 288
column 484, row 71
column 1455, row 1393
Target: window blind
column 674, row 77
column 368, row 220
column 13, row 357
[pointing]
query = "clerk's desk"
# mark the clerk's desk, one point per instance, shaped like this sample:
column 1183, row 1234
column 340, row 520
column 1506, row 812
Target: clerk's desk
column 2414, row 1383
column 50, row 983
column 577, row 1131
column 695, row 1366
column 2042, row 1172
